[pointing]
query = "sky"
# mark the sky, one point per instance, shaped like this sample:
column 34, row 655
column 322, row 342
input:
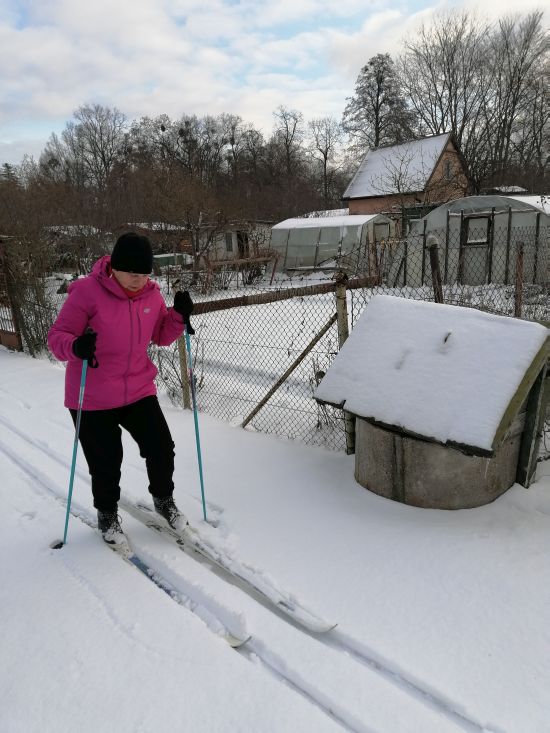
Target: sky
column 175, row 57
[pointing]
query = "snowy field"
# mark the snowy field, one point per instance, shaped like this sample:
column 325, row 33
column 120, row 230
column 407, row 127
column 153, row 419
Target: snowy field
column 442, row 616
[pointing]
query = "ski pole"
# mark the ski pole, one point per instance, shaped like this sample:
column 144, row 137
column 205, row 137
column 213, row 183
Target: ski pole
column 195, row 416
column 58, row 544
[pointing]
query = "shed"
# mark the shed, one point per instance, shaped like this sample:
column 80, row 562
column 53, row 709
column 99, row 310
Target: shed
column 479, row 238
column 448, row 400
column 308, row 243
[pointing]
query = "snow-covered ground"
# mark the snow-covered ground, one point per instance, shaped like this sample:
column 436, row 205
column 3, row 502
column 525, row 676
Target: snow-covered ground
column 442, row 616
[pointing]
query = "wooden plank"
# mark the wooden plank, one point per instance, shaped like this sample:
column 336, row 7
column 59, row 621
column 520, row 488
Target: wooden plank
column 522, row 392
column 530, row 441
column 289, row 371
column 272, row 297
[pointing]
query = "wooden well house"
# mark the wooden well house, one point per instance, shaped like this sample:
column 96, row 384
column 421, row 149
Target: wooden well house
column 449, row 401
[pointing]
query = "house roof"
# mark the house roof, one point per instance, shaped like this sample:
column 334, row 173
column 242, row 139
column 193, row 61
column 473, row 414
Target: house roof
column 404, row 168
column 325, row 221
column 453, row 375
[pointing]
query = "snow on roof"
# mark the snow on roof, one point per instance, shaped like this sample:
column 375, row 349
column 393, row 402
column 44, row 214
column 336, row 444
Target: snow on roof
column 75, row 229
column 443, row 372
column 156, row 226
column 325, row 221
column 326, row 212
column 542, row 203
column 404, row 168
column 509, row 189
column 499, row 202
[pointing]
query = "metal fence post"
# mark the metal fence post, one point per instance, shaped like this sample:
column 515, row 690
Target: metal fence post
column 433, row 248
column 343, row 333
column 518, row 299
column 508, row 235
column 536, row 256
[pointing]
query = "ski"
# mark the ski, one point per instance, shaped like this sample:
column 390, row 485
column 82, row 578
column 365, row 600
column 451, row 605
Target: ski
column 246, row 577
column 125, row 551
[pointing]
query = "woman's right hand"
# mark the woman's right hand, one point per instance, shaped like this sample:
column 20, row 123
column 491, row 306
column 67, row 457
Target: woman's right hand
column 84, row 347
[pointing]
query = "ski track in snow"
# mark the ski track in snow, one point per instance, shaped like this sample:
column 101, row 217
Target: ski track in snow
column 273, row 663
column 208, row 615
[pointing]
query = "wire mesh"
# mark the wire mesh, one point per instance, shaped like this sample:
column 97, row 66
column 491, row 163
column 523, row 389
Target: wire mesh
column 239, row 353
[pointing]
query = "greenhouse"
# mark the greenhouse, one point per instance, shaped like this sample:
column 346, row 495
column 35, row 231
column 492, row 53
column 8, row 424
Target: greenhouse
column 313, row 242
column 479, row 238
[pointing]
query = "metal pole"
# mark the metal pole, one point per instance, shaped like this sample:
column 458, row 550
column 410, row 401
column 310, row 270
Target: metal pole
column 432, row 245
column 508, row 234
column 518, row 300
column 196, row 419
column 57, row 544
column 447, row 232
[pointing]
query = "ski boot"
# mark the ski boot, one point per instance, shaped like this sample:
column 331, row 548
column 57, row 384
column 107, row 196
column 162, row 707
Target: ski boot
column 108, row 524
column 166, row 507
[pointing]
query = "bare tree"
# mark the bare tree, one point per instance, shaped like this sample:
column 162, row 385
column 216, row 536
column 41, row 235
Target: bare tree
column 288, row 135
column 95, row 141
column 447, row 74
column 483, row 84
column 326, row 135
column 518, row 49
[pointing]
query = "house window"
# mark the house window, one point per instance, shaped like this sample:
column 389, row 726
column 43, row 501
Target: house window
column 228, row 242
column 448, row 170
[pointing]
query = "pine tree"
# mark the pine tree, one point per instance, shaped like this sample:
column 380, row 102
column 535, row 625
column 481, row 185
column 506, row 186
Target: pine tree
column 377, row 114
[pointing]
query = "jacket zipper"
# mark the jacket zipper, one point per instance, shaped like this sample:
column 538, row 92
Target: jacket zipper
column 129, row 352
column 139, row 325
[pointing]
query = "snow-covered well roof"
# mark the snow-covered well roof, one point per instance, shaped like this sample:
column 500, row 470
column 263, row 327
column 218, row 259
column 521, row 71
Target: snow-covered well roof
column 442, row 372
column 404, row 168
column 325, row 221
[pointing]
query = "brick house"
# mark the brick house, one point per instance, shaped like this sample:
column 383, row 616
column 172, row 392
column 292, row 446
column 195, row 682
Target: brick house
column 408, row 179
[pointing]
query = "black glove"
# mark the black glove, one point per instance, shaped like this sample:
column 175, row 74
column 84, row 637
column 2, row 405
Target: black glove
column 184, row 306
column 84, row 347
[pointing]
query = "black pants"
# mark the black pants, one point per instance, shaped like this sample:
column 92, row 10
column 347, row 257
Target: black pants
column 101, row 441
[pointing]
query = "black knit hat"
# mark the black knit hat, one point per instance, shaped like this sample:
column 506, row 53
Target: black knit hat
column 132, row 253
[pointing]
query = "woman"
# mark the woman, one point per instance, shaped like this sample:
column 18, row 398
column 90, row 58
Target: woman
column 109, row 318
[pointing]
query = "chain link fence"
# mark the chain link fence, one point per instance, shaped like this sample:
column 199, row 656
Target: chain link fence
column 242, row 347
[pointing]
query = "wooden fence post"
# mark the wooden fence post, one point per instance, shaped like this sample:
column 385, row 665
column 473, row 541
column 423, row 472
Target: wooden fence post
column 182, row 351
column 11, row 338
column 343, row 333
column 518, row 299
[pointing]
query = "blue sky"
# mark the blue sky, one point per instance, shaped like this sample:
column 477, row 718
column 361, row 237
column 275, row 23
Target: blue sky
column 148, row 57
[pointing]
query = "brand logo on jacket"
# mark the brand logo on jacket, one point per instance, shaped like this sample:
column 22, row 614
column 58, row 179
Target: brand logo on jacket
column 146, row 310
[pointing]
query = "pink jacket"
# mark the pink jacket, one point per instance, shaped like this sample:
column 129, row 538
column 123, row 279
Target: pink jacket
column 124, row 326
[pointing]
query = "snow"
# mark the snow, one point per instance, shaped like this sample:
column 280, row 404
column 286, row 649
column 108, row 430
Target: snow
column 542, row 203
column 325, row 221
column 442, row 616
column 404, row 168
column 441, row 371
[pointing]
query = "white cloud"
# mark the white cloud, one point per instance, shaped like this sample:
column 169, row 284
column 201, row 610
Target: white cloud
column 14, row 152
column 148, row 57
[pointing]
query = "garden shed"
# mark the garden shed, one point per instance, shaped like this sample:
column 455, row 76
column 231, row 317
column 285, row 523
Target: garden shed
column 308, row 243
column 448, row 401
column 479, row 238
